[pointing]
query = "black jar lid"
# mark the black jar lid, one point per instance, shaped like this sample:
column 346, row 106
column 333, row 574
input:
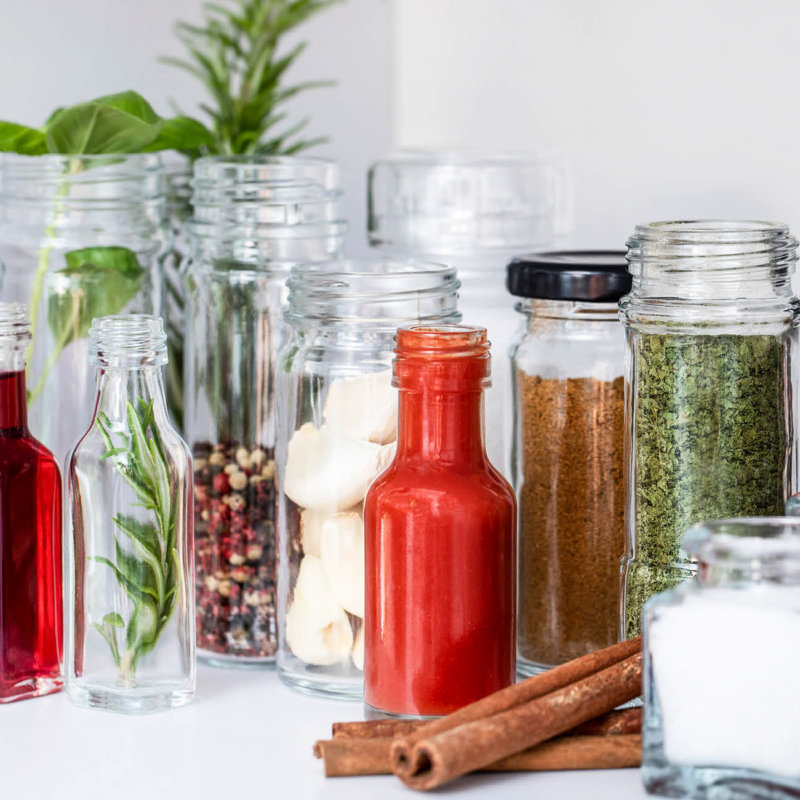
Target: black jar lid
column 599, row 276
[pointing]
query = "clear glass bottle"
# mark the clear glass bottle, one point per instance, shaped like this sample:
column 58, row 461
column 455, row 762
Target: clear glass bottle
column 30, row 532
column 473, row 212
column 567, row 372
column 337, row 418
column 721, row 686
column 439, row 536
column 712, row 336
column 130, row 627
column 80, row 237
column 253, row 219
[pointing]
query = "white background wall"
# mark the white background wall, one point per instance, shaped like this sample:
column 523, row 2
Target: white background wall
column 668, row 108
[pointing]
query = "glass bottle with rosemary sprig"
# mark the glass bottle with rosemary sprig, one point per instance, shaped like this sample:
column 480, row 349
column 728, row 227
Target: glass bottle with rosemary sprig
column 129, row 584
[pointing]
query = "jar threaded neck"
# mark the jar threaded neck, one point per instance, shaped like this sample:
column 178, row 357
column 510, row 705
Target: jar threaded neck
column 131, row 341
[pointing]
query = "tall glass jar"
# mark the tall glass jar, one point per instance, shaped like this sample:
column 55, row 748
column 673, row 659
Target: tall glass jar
column 80, row 237
column 567, row 371
column 337, row 426
column 253, row 220
column 475, row 213
column 712, row 334
column 130, row 637
column 721, row 685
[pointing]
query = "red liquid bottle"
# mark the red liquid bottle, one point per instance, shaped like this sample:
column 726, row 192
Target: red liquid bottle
column 439, row 528
column 30, row 532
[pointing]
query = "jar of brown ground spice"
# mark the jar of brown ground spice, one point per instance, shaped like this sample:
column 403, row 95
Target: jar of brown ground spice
column 567, row 452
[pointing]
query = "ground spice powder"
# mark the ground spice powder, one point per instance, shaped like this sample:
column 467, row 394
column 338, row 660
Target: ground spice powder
column 571, row 532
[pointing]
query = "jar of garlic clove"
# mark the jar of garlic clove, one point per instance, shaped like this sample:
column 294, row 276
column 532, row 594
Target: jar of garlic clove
column 336, row 422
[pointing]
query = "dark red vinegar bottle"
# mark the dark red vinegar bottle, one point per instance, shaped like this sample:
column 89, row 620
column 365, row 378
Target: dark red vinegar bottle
column 439, row 528
column 30, row 532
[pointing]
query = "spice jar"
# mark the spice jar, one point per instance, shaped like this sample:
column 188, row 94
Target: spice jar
column 475, row 213
column 129, row 594
column 337, row 423
column 439, row 534
column 711, row 329
column 722, row 699
column 253, row 219
column 568, row 366
column 80, row 237
column 30, row 532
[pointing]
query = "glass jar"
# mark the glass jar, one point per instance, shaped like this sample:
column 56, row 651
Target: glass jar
column 439, row 534
column 337, row 424
column 80, row 237
column 567, row 373
column 253, row 219
column 130, row 635
column 712, row 333
column 722, row 698
column 474, row 213
column 30, row 532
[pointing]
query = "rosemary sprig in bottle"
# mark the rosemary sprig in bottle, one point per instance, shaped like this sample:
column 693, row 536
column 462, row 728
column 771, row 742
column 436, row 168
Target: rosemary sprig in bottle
column 149, row 571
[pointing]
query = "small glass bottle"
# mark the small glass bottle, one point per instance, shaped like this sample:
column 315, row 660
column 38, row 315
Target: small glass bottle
column 337, row 423
column 254, row 218
column 711, row 325
column 30, row 532
column 130, row 637
column 80, row 237
column 721, row 685
column 439, row 535
column 567, row 372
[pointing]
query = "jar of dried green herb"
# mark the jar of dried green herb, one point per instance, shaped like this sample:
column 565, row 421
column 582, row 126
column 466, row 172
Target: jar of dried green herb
column 567, row 368
column 712, row 334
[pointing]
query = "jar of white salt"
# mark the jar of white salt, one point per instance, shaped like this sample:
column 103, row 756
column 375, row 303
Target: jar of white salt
column 722, row 685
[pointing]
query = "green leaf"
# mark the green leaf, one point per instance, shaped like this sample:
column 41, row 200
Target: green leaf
column 21, row 139
column 131, row 103
column 142, row 630
column 136, row 571
column 101, row 281
column 145, row 533
column 114, row 619
column 95, row 128
column 180, row 133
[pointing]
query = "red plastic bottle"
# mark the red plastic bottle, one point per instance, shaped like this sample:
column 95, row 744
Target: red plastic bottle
column 30, row 532
column 439, row 529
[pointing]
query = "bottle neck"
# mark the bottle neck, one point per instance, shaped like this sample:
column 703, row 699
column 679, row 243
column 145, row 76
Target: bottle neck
column 118, row 386
column 13, row 403
column 441, row 427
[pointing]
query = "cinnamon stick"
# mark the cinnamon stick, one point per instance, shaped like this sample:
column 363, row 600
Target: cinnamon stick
column 358, row 756
column 512, row 696
column 628, row 720
column 439, row 758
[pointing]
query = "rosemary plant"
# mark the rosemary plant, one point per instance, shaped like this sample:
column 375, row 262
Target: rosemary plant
column 236, row 54
column 149, row 571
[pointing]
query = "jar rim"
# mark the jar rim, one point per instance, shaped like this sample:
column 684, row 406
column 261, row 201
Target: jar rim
column 744, row 540
column 709, row 231
column 128, row 340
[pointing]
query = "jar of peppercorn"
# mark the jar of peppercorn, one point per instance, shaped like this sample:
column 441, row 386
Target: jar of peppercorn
column 253, row 219
column 337, row 429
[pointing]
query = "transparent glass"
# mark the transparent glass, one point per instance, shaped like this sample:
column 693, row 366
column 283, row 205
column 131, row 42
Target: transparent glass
column 130, row 636
column 80, row 237
column 475, row 213
column 711, row 327
column 242, row 247
column 567, row 455
column 337, row 418
column 30, row 532
column 722, row 699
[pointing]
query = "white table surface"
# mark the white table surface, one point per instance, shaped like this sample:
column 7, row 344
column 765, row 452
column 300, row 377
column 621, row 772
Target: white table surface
column 245, row 737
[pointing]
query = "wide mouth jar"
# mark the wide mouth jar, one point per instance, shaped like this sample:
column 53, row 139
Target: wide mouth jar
column 383, row 293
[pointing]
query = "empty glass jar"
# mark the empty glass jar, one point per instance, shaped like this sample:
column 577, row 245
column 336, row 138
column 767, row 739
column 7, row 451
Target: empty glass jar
column 337, row 423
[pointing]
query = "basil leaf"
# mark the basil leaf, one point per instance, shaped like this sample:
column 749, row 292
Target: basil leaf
column 101, row 281
column 180, row 133
column 20, row 139
column 131, row 103
column 94, row 128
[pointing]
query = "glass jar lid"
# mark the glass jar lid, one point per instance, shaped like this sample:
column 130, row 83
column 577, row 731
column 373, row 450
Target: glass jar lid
column 594, row 276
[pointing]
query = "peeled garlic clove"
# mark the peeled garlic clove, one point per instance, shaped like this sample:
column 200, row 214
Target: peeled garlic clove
column 311, row 529
column 358, row 649
column 325, row 470
column 341, row 550
column 317, row 628
column 363, row 408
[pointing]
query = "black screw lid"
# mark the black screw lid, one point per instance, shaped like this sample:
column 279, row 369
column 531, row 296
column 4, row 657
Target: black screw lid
column 599, row 276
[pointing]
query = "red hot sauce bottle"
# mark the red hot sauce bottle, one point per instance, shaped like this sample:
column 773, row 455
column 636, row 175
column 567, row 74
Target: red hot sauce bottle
column 30, row 532
column 439, row 527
